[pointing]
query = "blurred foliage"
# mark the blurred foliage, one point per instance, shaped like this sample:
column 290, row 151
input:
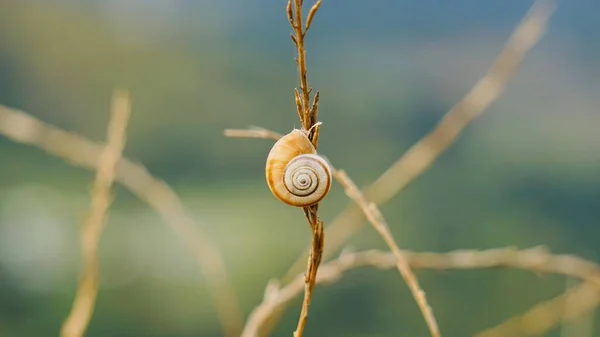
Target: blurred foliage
column 524, row 174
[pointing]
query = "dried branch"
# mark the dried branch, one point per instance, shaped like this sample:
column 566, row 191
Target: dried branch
column 376, row 218
column 582, row 326
column 310, row 277
column 294, row 13
column 308, row 117
column 82, row 310
column 307, row 113
column 79, row 151
column 422, row 154
column 544, row 316
column 253, row 132
column 536, row 259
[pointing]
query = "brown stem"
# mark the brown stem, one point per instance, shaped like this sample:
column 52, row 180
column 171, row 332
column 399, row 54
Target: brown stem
column 79, row 151
column 314, row 260
column 422, row 154
column 535, row 259
column 307, row 113
column 82, row 309
column 373, row 215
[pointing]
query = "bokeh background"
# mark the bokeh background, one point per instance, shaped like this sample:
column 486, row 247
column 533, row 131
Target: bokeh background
column 524, row 174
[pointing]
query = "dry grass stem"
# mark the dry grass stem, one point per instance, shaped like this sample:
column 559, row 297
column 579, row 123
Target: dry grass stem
column 582, row 326
column 294, row 13
column 82, row 310
column 422, row 154
column 307, row 113
column 110, row 166
column 536, row 259
column 375, row 217
column 254, row 132
column 79, row 151
column 546, row 315
column 417, row 159
column 310, row 277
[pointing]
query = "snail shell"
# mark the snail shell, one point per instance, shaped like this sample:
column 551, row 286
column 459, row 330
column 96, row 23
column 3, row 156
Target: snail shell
column 296, row 174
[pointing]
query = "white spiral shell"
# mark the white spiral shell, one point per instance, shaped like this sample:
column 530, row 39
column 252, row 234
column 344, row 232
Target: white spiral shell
column 296, row 174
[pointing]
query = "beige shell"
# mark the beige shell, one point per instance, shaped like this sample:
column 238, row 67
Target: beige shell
column 295, row 173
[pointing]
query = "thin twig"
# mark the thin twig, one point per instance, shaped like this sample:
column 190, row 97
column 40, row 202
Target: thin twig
column 80, row 151
column 82, row 310
column 546, row 315
column 314, row 260
column 307, row 113
column 300, row 30
column 252, row 133
column 536, row 259
column 375, row 217
column 422, row 154
column 582, row 326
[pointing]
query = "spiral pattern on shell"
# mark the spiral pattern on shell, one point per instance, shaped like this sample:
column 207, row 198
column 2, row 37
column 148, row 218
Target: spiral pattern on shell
column 296, row 174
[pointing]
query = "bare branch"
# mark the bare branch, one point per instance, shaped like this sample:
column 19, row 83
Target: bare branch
column 295, row 18
column 252, row 133
column 421, row 155
column 310, row 277
column 536, row 259
column 79, row 151
column 308, row 119
column 376, row 218
column 82, row 310
column 546, row 315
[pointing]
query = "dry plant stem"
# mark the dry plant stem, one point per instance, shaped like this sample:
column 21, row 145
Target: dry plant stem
column 536, row 259
column 582, row 326
column 375, row 217
column 82, row 310
column 79, row 151
column 544, row 316
column 254, row 132
column 422, row 154
column 308, row 117
column 314, row 260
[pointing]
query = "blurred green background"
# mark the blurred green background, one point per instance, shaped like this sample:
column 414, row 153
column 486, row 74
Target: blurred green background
column 524, row 174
